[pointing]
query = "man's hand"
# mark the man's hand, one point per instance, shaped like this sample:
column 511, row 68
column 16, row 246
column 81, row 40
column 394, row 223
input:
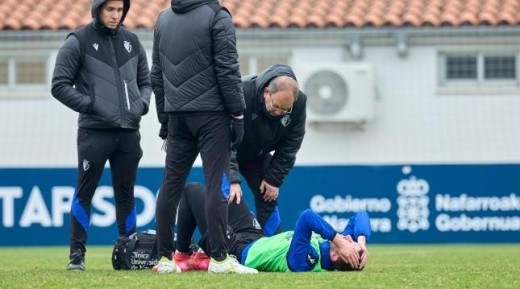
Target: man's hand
column 270, row 192
column 163, row 132
column 237, row 131
column 235, row 193
column 363, row 258
column 347, row 250
column 361, row 248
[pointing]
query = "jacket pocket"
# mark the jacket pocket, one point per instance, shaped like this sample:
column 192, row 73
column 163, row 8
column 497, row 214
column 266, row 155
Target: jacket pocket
column 137, row 104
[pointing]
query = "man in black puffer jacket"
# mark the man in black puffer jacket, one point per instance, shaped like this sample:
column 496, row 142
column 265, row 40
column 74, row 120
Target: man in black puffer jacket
column 101, row 72
column 274, row 122
column 196, row 80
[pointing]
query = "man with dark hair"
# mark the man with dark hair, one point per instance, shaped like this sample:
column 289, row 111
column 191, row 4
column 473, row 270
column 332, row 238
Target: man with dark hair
column 101, row 72
column 274, row 125
column 198, row 91
column 312, row 246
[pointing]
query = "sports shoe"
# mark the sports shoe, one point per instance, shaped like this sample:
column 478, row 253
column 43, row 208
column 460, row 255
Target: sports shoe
column 229, row 265
column 183, row 261
column 77, row 261
column 166, row 266
column 199, row 261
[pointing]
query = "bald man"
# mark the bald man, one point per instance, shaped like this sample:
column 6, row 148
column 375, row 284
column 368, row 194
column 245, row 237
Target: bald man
column 274, row 127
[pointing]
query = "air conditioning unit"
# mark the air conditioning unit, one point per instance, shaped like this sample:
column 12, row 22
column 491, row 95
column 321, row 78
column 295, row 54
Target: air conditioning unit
column 337, row 92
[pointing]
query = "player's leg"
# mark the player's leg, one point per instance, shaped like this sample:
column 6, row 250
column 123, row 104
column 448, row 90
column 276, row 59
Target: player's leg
column 123, row 164
column 181, row 153
column 215, row 143
column 191, row 215
column 214, row 140
column 93, row 147
column 266, row 212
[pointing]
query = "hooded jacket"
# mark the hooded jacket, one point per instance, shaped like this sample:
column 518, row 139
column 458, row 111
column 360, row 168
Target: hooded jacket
column 103, row 74
column 263, row 133
column 195, row 61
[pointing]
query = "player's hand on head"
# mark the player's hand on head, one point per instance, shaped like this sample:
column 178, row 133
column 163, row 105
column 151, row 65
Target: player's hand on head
column 349, row 253
column 363, row 259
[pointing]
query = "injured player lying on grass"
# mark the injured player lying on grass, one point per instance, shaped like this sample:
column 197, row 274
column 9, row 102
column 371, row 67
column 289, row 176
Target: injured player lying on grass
column 312, row 246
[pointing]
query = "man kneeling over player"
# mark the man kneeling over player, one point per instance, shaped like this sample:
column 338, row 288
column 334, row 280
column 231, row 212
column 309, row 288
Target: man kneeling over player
column 313, row 245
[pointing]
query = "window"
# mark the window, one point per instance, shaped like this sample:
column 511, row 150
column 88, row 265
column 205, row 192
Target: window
column 479, row 68
column 254, row 64
column 4, row 72
column 24, row 76
column 479, row 73
column 499, row 67
column 30, row 72
column 266, row 61
column 461, row 67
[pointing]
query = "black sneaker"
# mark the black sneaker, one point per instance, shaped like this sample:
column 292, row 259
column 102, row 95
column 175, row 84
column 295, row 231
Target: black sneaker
column 77, row 261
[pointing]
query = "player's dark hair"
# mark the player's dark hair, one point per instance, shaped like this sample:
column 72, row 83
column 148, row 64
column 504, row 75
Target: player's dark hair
column 340, row 265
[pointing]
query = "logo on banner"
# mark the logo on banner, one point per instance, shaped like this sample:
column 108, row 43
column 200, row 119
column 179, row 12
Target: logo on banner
column 412, row 211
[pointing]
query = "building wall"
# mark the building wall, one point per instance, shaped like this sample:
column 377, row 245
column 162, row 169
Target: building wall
column 415, row 122
column 436, row 164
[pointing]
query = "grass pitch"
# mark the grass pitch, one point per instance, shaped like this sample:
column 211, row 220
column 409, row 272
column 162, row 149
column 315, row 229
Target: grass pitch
column 389, row 266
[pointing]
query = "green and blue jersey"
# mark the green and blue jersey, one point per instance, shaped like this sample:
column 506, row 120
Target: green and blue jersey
column 307, row 248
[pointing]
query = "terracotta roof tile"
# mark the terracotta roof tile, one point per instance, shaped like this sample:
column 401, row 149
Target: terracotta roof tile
column 71, row 14
column 450, row 19
column 334, row 20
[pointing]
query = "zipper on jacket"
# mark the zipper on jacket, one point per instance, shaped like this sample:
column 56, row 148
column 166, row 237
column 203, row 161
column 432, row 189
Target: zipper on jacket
column 122, row 110
column 126, row 94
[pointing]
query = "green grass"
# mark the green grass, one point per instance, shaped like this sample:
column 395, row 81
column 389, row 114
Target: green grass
column 389, row 266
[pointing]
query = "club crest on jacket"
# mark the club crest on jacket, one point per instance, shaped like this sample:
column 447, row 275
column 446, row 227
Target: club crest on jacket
column 128, row 46
column 285, row 120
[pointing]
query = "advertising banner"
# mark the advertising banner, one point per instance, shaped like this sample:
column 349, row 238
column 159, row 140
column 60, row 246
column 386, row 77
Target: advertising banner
column 407, row 204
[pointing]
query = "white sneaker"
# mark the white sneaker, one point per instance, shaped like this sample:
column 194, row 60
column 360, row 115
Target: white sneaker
column 166, row 266
column 229, row 265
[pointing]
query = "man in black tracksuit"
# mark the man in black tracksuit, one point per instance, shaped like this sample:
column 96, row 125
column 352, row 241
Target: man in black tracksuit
column 274, row 122
column 101, row 72
column 196, row 81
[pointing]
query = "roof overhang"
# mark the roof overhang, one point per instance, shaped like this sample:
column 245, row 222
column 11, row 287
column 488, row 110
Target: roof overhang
column 312, row 36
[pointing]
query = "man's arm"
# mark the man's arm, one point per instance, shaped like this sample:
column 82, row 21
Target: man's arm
column 235, row 191
column 226, row 63
column 234, row 174
column 359, row 229
column 143, row 79
column 286, row 150
column 68, row 64
column 358, row 226
column 301, row 255
column 156, row 77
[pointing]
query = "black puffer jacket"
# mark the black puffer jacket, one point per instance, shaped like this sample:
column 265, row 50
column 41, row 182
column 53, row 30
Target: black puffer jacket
column 264, row 134
column 195, row 61
column 103, row 74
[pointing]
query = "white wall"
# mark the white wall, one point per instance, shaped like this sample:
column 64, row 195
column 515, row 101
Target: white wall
column 42, row 133
column 412, row 125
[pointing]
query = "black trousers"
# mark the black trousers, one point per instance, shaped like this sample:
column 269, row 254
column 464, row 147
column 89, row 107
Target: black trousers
column 210, row 135
column 267, row 213
column 121, row 147
column 243, row 228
